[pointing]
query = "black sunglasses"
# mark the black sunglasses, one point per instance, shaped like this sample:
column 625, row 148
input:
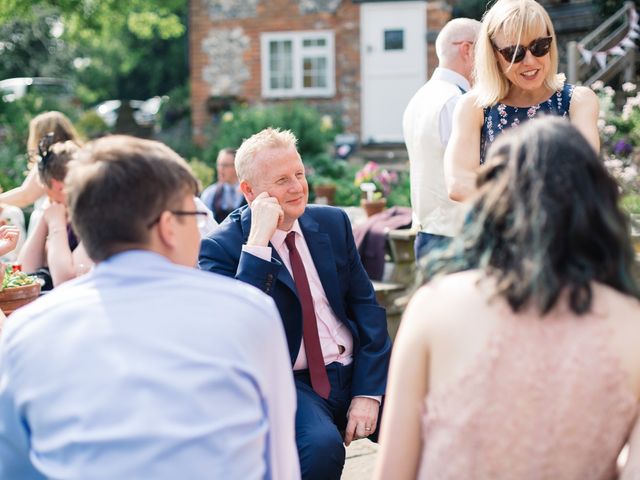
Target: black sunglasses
column 516, row 53
column 44, row 150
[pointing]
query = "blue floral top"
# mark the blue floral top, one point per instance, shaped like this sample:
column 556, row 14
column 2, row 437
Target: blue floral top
column 500, row 117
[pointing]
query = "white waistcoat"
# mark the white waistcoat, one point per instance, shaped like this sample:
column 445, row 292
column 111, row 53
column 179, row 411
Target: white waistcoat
column 433, row 211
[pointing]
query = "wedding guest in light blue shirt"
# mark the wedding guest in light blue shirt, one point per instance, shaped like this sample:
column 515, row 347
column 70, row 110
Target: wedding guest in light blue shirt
column 145, row 368
column 224, row 196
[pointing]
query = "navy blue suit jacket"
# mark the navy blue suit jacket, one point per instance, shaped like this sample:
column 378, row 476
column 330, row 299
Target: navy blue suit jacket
column 328, row 234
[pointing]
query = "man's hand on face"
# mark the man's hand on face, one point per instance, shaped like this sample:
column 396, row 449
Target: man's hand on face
column 266, row 215
column 362, row 419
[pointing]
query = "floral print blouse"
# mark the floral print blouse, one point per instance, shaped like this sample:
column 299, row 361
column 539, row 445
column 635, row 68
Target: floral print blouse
column 501, row 117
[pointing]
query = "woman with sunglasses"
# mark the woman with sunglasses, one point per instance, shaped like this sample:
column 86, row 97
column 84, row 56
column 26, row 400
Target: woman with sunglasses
column 516, row 79
column 519, row 358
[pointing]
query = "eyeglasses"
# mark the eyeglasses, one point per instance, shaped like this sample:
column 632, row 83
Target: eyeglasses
column 201, row 217
column 44, row 150
column 516, row 53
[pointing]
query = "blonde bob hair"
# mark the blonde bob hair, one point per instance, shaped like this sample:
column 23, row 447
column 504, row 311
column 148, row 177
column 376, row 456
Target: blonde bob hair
column 515, row 19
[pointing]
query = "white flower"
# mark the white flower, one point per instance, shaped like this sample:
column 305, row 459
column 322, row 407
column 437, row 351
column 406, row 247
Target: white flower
column 597, row 85
column 601, row 124
column 227, row 116
column 613, row 163
column 609, row 130
column 628, row 87
column 609, row 91
column 629, row 174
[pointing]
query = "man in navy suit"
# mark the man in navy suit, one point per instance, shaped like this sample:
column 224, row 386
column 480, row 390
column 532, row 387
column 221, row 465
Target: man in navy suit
column 305, row 258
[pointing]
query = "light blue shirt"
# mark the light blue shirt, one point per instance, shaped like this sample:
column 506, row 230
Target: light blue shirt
column 143, row 369
column 231, row 195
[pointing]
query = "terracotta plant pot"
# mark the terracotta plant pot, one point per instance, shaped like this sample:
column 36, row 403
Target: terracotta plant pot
column 371, row 207
column 15, row 297
column 325, row 193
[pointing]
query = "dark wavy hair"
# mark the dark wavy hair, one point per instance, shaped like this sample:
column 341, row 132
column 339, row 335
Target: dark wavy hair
column 546, row 219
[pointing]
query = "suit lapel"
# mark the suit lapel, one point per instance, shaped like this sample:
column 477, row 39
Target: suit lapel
column 319, row 245
column 283, row 274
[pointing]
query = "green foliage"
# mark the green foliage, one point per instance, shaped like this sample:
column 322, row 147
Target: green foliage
column 631, row 203
column 14, row 130
column 400, row 192
column 109, row 48
column 91, row 125
column 30, row 49
column 314, row 131
column 202, row 171
column 177, row 107
column 470, row 9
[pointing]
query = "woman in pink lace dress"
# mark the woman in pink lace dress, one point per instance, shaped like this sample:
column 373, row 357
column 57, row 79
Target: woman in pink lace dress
column 523, row 361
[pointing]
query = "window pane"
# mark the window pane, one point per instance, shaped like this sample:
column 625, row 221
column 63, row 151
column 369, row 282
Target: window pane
column 314, row 72
column 314, row 42
column 394, row 39
column 280, row 64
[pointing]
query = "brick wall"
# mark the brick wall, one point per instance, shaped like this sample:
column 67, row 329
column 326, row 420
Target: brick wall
column 438, row 13
column 231, row 30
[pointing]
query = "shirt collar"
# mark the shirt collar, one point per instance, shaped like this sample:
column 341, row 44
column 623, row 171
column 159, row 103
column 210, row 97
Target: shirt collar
column 441, row 73
column 277, row 239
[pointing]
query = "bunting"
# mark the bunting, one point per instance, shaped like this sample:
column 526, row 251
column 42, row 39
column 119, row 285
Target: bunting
column 618, row 50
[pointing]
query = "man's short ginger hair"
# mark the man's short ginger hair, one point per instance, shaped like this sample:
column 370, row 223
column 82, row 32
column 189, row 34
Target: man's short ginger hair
column 263, row 140
column 118, row 185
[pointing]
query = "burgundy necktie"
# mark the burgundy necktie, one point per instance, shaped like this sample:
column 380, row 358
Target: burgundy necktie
column 315, row 360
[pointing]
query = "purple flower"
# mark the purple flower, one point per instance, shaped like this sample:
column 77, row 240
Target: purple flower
column 622, row 148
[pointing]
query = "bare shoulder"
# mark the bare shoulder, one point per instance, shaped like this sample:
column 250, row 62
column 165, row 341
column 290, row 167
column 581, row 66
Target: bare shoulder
column 584, row 97
column 469, row 103
column 618, row 305
column 467, row 112
column 448, row 299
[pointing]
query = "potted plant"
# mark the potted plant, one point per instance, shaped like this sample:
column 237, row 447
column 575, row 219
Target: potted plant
column 375, row 183
column 18, row 289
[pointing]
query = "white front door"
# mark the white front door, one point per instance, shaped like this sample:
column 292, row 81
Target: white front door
column 393, row 37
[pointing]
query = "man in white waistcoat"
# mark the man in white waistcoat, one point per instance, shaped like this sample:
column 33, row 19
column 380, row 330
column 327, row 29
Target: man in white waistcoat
column 426, row 127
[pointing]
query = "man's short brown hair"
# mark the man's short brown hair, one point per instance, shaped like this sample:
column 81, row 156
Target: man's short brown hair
column 117, row 186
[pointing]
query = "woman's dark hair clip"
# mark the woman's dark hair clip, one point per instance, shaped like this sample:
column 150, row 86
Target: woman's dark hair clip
column 44, row 150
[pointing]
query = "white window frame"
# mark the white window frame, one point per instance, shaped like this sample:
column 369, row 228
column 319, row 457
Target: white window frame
column 298, row 53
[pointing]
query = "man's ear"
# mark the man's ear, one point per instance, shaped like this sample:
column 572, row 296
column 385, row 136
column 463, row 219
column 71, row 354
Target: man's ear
column 166, row 231
column 467, row 50
column 247, row 191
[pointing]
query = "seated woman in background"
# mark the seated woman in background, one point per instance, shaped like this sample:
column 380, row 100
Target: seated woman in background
column 522, row 362
column 53, row 243
column 32, row 189
column 516, row 79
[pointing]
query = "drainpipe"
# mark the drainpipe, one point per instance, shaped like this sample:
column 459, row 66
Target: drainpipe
column 572, row 62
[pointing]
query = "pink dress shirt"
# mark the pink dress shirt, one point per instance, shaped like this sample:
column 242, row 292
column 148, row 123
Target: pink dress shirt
column 335, row 337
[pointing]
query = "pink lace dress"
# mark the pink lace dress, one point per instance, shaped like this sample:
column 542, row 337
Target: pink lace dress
column 544, row 400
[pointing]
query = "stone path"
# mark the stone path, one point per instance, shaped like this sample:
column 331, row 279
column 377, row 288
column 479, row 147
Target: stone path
column 361, row 459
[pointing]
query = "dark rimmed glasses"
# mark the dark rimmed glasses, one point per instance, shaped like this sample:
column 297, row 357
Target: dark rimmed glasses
column 201, row 217
column 516, row 53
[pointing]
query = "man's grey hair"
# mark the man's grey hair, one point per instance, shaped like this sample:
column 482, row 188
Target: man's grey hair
column 263, row 140
column 455, row 31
